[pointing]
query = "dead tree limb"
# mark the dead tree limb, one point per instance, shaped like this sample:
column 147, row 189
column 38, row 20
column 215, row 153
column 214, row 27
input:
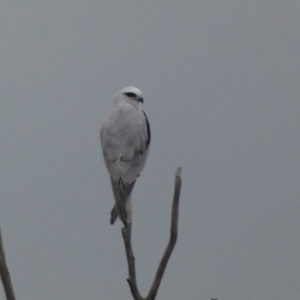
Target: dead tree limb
column 173, row 238
column 126, row 233
column 4, row 272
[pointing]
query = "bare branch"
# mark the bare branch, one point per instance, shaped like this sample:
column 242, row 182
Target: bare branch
column 173, row 238
column 5, row 277
column 126, row 233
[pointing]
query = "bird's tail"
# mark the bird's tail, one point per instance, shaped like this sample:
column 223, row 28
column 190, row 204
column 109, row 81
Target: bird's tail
column 122, row 207
column 114, row 214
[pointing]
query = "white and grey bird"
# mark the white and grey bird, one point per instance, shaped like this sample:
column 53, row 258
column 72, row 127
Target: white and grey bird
column 125, row 139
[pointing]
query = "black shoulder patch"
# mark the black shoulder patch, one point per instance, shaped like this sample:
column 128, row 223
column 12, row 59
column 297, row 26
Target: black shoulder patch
column 148, row 131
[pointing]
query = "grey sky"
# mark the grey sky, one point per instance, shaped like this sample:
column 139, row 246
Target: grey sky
column 220, row 80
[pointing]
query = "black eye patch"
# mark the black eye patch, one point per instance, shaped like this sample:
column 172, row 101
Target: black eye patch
column 130, row 95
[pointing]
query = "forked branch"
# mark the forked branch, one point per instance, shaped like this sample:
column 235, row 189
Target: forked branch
column 5, row 277
column 126, row 233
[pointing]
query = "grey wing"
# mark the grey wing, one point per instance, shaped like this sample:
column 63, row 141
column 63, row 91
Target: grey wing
column 131, row 169
column 122, row 187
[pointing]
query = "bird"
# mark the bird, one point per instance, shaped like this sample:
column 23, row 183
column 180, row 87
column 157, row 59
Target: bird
column 125, row 137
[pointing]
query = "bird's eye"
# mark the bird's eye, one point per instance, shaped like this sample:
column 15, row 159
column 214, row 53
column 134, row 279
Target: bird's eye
column 130, row 95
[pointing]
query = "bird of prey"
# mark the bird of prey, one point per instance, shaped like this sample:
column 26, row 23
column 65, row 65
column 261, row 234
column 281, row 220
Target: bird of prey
column 125, row 139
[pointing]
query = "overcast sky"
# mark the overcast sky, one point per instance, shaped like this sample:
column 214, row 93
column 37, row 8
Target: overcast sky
column 221, row 84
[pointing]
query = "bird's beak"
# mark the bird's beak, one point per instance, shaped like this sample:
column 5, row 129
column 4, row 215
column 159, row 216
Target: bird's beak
column 141, row 100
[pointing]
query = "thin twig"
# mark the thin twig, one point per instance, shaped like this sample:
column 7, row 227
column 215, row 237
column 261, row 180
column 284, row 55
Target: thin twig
column 173, row 238
column 126, row 233
column 5, row 277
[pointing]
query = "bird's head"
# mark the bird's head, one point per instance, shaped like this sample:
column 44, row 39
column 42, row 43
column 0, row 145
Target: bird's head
column 130, row 95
